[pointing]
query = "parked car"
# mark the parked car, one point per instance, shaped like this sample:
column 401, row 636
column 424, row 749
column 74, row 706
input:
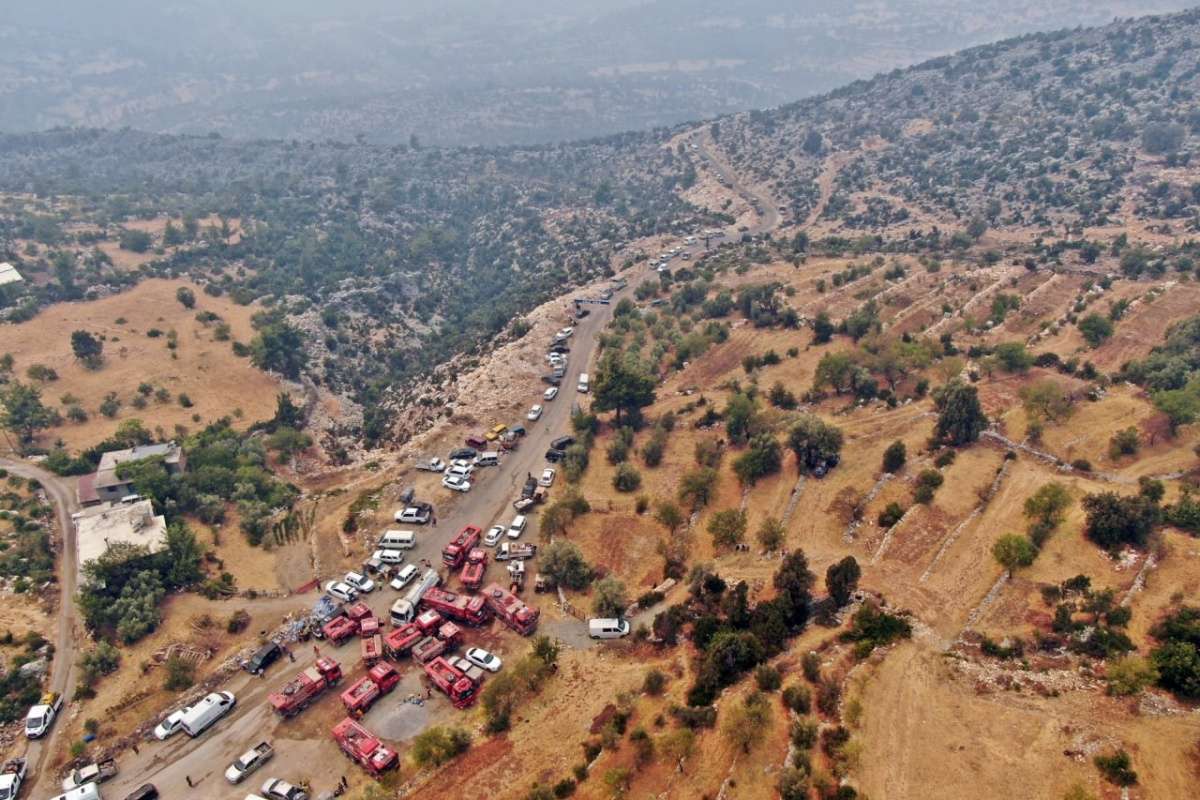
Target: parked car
column 277, row 789
column 341, row 591
column 249, row 761
column 460, row 470
column 431, row 465
column 535, row 413
column 170, row 726
column 547, row 478
column 456, row 483
column 463, row 453
column 517, row 430
column 562, row 442
column 494, row 535
column 360, row 582
column 97, row 772
column 482, row 658
column 554, row 456
column 517, row 526
column 477, row 442
column 550, row 394
column 263, row 657
column 147, row 791
column 608, row 628
column 388, row 556
column 404, row 577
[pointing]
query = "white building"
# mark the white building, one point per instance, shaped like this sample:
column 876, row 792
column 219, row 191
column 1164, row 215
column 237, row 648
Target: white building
column 9, row 274
column 99, row 527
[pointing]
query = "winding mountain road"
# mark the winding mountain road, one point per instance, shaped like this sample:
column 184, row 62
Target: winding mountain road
column 61, row 494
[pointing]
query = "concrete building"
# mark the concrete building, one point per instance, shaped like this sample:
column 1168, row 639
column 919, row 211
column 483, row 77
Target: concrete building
column 99, row 527
column 104, row 486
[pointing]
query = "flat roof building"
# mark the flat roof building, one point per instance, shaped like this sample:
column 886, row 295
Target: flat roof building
column 106, row 486
column 100, row 527
column 9, row 274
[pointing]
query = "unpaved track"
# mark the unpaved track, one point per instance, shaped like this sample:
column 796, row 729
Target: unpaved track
column 61, row 493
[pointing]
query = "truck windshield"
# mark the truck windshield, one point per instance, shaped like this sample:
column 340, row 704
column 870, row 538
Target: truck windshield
column 33, row 723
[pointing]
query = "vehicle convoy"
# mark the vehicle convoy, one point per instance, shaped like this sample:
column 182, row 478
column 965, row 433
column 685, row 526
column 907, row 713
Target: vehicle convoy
column 515, row 550
column 249, row 761
column 473, row 571
column 12, row 775
column 363, row 693
column 97, row 772
column 454, row 553
column 364, row 747
column 511, row 610
column 200, row 717
column 452, row 682
column 41, row 717
column 297, row 693
column 469, row 609
column 431, row 465
column 404, row 609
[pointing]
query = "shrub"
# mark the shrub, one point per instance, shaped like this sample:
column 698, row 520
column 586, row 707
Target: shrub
column 564, row 562
column 728, row 527
column 1130, row 675
column 439, row 744
column 654, row 683
column 890, row 515
column 609, row 599
column 767, row 678
column 770, row 534
column 894, row 457
column 627, row 478
column 1116, row 768
column 181, row 674
column 797, row 698
column 1123, row 443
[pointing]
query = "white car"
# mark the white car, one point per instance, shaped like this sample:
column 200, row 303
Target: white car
column 404, row 577
column 547, row 478
column 566, row 332
column 341, row 591
column 494, row 535
column 464, row 463
column 360, row 582
column 456, row 483
column 550, row 394
column 248, row 762
column 277, row 789
column 534, row 414
column 517, row 526
column 482, row 658
column 388, row 556
column 460, row 471
column 170, row 726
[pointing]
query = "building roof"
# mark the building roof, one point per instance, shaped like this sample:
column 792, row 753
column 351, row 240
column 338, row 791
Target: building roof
column 9, row 274
column 86, row 489
column 106, row 474
column 96, row 529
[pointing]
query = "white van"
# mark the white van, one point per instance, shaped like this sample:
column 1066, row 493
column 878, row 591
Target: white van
column 89, row 791
column 489, row 459
column 608, row 628
column 583, row 382
column 198, row 718
column 397, row 540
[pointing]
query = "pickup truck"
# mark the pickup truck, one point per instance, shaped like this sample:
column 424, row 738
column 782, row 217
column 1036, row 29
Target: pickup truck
column 515, row 550
column 431, row 465
column 12, row 775
column 249, row 761
column 42, row 716
column 92, row 773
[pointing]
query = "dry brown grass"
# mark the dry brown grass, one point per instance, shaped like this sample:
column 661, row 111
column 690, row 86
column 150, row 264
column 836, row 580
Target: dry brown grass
column 218, row 382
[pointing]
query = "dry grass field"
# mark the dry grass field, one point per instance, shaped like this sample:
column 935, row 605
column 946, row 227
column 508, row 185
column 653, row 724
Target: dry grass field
column 200, row 367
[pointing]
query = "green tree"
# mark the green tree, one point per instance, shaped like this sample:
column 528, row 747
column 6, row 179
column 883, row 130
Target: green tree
column 1130, row 675
column 741, row 418
column 823, row 328
column 1114, row 520
column 1014, row 551
column 22, row 411
column 564, row 562
column 609, row 598
column 746, row 724
column 279, row 347
column 439, row 744
column 1046, row 400
column 1096, row 329
column 677, row 746
column 667, row 514
column 814, row 442
column 835, row 371
column 1182, row 406
column 697, row 487
column 1013, row 357
column 894, row 457
column 960, row 416
column 727, row 527
column 764, row 457
column 88, row 349
column 770, row 534
column 186, row 297
column 622, row 384
column 841, row 579
column 627, row 478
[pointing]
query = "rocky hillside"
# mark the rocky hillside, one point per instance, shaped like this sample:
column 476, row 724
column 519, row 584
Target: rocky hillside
column 1065, row 130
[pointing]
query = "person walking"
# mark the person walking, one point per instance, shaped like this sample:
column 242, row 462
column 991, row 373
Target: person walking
column 188, row 778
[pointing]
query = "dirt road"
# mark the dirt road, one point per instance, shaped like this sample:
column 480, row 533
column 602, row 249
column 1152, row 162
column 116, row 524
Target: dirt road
column 61, row 493
column 768, row 216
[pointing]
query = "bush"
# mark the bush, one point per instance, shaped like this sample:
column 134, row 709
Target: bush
column 437, row 745
column 1123, row 443
column 1116, row 768
column 894, row 457
column 1114, row 520
column 797, row 698
column 890, row 515
column 1130, row 675
column 627, row 478
column 563, row 561
column 609, row 599
column 728, row 527
column 767, row 678
column 654, row 683
column 180, row 674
